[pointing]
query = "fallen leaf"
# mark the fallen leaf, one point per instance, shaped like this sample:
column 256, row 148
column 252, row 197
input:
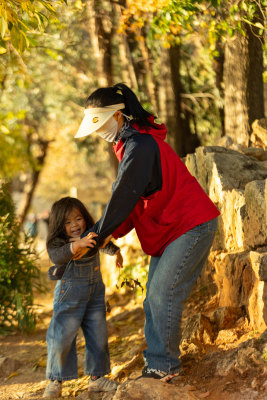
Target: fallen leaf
column 204, row 395
column 13, row 374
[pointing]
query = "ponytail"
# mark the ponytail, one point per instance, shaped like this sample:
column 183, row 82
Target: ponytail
column 120, row 93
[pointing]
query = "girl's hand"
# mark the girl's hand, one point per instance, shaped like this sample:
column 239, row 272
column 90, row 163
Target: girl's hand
column 119, row 259
column 84, row 243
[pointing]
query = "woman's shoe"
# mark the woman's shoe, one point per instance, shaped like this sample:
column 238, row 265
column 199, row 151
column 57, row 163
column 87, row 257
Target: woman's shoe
column 157, row 374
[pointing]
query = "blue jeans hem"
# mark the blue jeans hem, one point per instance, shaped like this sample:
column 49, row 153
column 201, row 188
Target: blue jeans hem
column 97, row 373
column 61, row 378
column 165, row 365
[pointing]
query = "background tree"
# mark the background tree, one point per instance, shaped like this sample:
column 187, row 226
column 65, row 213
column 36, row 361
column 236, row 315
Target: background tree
column 243, row 71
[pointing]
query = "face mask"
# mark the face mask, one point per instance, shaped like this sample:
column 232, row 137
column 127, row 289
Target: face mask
column 109, row 130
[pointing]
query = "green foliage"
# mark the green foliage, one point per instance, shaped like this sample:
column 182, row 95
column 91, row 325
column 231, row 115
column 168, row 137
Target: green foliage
column 18, row 272
column 21, row 20
column 134, row 276
column 214, row 19
column 13, row 145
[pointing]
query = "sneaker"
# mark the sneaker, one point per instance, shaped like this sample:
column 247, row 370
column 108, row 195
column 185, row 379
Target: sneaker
column 102, row 384
column 53, row 390
column 157, row 374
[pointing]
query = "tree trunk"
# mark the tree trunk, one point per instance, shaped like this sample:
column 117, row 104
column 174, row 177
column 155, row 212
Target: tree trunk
column 92, row 28
column 243, row 68
column 174, row 56
column 218, row 64
column 33, row 181
column 101, row 34
column 148, row 77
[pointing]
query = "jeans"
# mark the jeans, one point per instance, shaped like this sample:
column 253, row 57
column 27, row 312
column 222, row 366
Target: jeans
column 79, row 301
column 171, row 278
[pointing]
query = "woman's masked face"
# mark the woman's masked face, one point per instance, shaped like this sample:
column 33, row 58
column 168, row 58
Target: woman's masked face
column 109, row 130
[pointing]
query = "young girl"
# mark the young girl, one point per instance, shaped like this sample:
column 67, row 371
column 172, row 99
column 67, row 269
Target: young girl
column 79, row 300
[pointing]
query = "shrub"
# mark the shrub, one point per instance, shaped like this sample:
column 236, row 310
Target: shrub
column 19, row 274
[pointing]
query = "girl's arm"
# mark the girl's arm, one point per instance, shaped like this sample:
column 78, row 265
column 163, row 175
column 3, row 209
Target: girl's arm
column 60, row 255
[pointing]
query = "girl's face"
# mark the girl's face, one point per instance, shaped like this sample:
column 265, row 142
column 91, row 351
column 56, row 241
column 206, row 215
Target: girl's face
column 75, row 224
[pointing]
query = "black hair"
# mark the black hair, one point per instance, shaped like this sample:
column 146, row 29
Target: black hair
column 57, row 236
column 120, row 93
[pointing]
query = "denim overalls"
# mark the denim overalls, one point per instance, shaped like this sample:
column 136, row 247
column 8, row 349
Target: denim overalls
column 79, row 301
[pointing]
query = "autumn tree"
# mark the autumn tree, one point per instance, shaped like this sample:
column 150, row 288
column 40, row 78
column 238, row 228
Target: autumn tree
column 243, row 71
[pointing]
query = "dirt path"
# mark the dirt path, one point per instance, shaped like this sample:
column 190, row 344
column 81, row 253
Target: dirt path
column 126, row 341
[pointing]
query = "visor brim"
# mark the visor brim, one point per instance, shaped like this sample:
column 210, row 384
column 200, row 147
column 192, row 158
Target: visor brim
column 95, row 118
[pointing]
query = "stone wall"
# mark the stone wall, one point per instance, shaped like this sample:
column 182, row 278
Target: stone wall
column 236, row 182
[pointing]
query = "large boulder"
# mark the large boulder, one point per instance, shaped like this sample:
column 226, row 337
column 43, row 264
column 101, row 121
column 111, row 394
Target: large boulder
column 227, row 177
column 241, row 281
column 151, row 389
column 237, row 184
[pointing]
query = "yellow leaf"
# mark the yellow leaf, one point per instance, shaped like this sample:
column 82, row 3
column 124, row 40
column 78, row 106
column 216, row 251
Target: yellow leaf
column 13, row 374
column 3, row 50
column 42, row 363
column 4, row 129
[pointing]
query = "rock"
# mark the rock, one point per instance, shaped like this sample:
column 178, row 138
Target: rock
column 247, row 357
column 258, row 261
column 259, row 154
column 259, row 133
column 218, row 169
column 224, row 174
column 236, row 182
column 224, row 141
column 236, row 276
column 226, row 336
column 225, row 317
column 107, row 396
column 231, row 224
column 225, row 366
column 151, row 389
column 233, row 277
column 255, row 221
column 8, row 365
column 198, row 330
column 257, row 306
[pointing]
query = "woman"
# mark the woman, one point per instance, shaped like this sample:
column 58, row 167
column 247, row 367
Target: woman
column 173, row 217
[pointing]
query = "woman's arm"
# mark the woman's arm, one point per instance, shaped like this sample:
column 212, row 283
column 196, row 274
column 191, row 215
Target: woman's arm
column 113, row 250
column 134, row 176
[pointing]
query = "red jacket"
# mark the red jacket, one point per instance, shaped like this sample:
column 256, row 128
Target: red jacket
column 178, row 206
column 153, row 193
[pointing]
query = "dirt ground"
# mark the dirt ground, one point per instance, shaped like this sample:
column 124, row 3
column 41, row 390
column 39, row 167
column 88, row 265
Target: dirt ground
column 126, row 342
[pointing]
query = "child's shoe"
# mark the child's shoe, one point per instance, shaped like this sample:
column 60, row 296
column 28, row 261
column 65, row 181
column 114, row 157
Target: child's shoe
column 102, row 384
column 53, row 390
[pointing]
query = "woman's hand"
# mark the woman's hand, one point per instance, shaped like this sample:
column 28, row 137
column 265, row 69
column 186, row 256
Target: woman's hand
column 105, row 242
column 80, row 253
column 119, row 259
